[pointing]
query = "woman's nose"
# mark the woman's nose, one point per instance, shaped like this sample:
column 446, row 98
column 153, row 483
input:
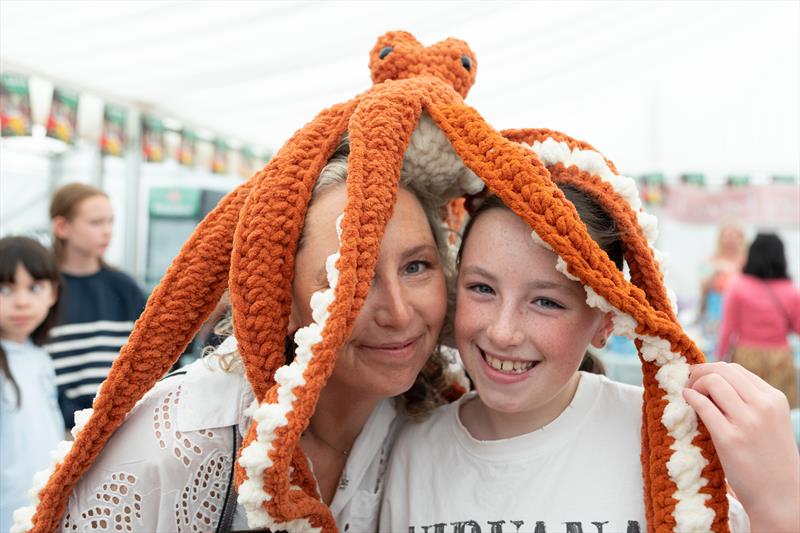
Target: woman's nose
column 392, row 307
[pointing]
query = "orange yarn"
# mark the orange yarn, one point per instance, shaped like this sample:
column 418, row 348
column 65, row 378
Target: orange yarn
column 249, row 242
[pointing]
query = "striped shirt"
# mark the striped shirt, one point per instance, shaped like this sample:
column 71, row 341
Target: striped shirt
column 97, row 314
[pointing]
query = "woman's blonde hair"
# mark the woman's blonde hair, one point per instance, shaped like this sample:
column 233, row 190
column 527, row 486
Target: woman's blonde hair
column 65, row 204
column 431, row 385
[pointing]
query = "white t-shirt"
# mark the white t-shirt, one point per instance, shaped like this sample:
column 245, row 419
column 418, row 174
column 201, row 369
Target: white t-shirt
column 579, row 474
column 167, row 468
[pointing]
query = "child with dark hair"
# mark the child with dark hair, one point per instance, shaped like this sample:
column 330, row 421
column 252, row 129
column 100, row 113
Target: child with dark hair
column 762, row 307
column 30, row 420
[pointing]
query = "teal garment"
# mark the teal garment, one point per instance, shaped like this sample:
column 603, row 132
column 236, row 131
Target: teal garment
column 28, row 433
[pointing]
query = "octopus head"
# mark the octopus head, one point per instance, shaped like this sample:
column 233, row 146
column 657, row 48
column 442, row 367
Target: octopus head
column 398, row 55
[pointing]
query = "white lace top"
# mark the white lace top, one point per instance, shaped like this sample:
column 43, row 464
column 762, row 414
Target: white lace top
column 168, row 467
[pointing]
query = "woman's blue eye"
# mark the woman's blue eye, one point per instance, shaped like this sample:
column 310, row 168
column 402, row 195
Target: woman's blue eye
column 37, row 287
column 415, row 267
column 547, row 303
column 5, row 290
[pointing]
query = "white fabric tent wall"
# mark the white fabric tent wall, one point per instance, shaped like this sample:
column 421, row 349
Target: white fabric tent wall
column 703, row 86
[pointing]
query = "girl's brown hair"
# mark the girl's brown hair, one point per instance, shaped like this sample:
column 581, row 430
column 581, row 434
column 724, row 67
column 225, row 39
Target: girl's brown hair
column 41, row 265
column 602, row 229
column 65, row 204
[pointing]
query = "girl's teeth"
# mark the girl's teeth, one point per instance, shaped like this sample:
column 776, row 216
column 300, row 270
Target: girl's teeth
column 513, row 367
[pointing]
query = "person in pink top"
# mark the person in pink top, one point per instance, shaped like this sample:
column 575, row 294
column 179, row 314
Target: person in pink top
column 762, row 306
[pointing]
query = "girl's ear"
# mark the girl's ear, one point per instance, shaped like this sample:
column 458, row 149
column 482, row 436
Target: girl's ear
column 603, row 331
column 60, row 227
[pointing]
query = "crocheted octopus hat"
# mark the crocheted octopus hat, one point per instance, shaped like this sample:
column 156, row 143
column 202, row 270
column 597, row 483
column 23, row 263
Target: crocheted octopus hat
column 413, row 118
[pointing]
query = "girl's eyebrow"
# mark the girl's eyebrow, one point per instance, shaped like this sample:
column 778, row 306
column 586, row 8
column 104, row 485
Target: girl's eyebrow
column 536, row 284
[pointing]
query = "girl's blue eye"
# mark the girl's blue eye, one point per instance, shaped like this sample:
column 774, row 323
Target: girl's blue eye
column 547, row 303
column 5, row 290
column 481, row 288
column 415, row 267
column 37, row 287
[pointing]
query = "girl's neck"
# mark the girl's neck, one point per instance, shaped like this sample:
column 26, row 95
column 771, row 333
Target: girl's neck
column 79, row 263
column 10, row 336
column 485, row 423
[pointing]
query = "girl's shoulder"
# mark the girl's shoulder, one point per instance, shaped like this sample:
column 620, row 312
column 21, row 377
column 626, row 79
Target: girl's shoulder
column 435, row 425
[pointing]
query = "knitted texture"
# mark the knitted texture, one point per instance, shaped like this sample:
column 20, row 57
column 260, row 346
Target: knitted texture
column 250, row 240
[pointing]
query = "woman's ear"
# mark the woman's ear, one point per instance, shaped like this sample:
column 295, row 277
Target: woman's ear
column 61, row 227
column 603, row 330
column 294, row 320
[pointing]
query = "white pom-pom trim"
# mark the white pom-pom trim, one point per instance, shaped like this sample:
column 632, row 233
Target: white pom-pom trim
column 685, row 465
column 271, row 416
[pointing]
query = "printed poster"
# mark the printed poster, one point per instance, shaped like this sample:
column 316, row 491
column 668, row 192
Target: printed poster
column 152, row 139
column 112, row 140
column 63, row 118
column 15, row 105
column 219, row 161
column 186, row 149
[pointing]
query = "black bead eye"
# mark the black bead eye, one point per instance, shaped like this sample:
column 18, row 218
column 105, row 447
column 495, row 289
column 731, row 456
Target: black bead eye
column 385, row 51
column 467, row 62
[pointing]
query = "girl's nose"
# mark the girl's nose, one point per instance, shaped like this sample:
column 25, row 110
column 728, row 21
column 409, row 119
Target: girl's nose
column 504, row 329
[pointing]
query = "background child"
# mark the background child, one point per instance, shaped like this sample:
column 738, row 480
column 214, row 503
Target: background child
column 541, row 444
column 100, row 304
column 30, row 421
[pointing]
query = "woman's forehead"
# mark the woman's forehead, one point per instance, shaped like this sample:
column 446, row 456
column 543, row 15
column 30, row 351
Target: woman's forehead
column 408, row 226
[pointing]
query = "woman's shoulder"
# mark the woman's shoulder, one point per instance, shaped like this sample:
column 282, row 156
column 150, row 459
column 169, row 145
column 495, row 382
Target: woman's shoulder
column 153, row 465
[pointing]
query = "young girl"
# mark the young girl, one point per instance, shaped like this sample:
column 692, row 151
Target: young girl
column 100, row 304
column 30, row 422
column 543, row 447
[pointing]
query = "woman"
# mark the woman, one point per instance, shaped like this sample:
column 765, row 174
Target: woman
column 761, row 308
column 169, row 467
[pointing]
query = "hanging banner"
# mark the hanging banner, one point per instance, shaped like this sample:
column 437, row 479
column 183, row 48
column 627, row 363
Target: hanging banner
column 112, row 140
column 152, row 139
column 187, row 147
column 63, row 118
column 748, row 204
column 219, row 161
column 15, row 105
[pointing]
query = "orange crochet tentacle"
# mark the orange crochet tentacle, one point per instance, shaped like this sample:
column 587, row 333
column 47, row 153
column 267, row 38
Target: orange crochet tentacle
column 177, row 308
column 262, row 264
column 373, row 177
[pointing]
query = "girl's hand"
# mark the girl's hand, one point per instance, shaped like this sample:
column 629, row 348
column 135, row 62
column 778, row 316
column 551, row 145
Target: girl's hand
column 751, row 429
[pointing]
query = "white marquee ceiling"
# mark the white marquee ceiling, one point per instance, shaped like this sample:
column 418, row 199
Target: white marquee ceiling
column 648, row 82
